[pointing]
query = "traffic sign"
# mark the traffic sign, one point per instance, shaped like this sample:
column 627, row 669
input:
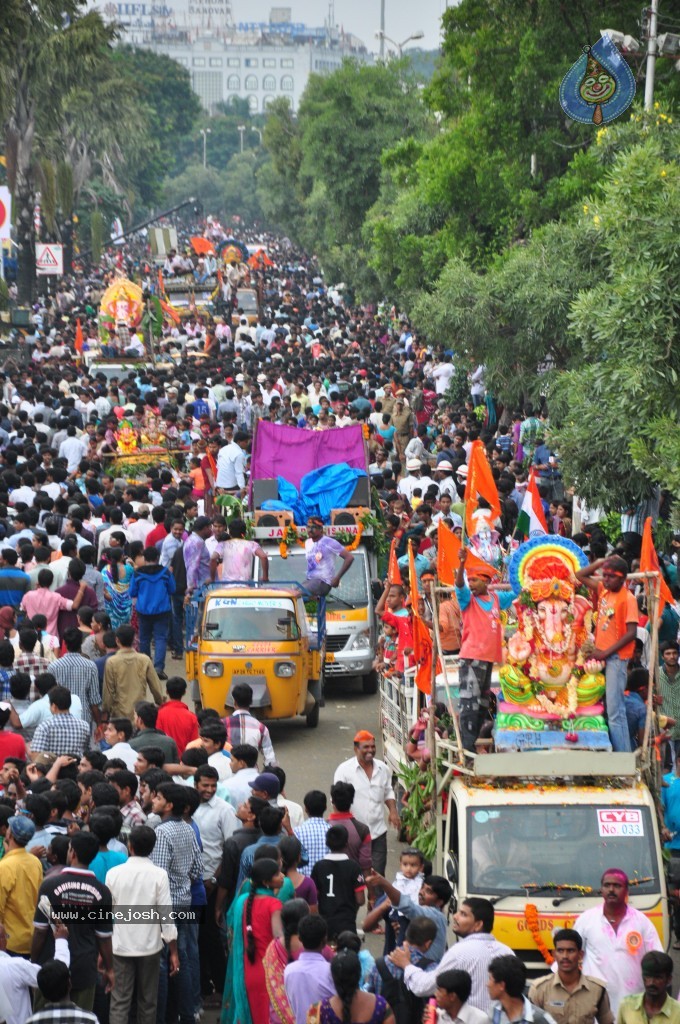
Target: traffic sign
column 5, row 212
column 49, row 259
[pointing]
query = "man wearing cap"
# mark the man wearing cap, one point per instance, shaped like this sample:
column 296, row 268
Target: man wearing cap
column 372, row 781
column 444, row 479
column 408, row 483
column 20, row 877
column 481, row 644
column 231, row 465
column 321, row 552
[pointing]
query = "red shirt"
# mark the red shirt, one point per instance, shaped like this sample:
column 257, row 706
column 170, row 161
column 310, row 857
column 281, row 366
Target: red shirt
column 11, row 745
column 175, row 720
column 159, row 533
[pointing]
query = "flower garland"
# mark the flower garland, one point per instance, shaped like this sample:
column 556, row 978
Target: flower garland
column 289, row 537
column 533, row 923
column 357, row 538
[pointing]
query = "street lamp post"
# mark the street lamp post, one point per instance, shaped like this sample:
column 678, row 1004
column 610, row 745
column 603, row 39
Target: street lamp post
column 254, row 129
column 651, row 55
column 205, row 132
column 380, row 34
column 241, row 130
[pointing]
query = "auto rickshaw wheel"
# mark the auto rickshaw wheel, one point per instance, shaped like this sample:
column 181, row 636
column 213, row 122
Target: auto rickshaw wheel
column 312, row 718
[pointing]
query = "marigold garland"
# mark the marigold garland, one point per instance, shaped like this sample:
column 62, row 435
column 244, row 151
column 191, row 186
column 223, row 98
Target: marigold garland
column 533, row 923
column 357, row 539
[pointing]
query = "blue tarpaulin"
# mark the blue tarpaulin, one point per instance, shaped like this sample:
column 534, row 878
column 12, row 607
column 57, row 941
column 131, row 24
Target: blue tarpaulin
column 320, row 491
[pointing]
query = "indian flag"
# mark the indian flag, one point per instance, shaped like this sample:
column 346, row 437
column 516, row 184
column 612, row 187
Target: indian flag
column 531, row 520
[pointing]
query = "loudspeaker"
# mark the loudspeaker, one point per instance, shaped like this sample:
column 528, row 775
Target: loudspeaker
column 347, row 516
column 362, row 493
column 265, row 490
column 273, row 519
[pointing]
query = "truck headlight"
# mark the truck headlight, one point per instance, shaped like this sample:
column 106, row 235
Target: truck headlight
column 213, row 668
column 285, row 669
column 361, row 641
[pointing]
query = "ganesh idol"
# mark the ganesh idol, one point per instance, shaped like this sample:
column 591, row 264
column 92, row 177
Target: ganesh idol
column 551, row 688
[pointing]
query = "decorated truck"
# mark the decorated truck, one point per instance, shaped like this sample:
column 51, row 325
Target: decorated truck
column 290, row 469
column 531, row 819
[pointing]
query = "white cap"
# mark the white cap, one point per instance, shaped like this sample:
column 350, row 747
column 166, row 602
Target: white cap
column 412, row 464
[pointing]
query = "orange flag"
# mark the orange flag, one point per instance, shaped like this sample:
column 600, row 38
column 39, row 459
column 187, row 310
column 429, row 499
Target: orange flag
column 448, row 556
column 79, row 340
column 161, row 283
column 393, row 570
column 479, row 483
column 649, row 562
column 422, row 655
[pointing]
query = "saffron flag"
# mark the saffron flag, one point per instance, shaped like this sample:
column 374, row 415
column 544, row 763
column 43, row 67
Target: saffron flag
column 422, row 655
column 448, row 557
column 393, row 570
column 649, row 562
column 479, row 484
column 202, row 246
column 79, row 340
column 531, row 519
column 161, row 283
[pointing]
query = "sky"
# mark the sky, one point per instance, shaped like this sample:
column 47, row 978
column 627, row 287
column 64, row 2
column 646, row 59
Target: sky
column 361, row 17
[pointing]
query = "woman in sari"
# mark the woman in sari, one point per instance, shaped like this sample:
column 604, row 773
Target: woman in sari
column 117, row 576
column 281, row 952
column 254, row 919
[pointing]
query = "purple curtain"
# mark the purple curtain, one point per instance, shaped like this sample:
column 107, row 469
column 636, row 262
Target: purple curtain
column 291, row 452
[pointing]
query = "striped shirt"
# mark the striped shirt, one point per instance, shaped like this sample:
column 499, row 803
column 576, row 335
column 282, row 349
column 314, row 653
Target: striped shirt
column 177, row 852
column 312, row 835
column 13, row 585
column 79, row 675
column 62, row 734
column 473, row 954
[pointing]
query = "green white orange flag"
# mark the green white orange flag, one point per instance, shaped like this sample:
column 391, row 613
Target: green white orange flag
column 479, row 484
column 531, row 519
column 649, row 562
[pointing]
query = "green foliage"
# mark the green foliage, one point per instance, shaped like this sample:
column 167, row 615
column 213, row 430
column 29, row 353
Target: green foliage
column 96, row 235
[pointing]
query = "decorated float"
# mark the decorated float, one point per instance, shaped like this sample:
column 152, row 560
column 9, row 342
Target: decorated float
column 551, row 688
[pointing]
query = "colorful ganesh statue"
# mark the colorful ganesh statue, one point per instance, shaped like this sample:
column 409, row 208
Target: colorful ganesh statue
column 551, row 689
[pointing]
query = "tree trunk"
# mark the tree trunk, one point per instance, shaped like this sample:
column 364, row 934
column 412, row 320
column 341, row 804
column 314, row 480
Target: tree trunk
column 20, row 134
column 26, row 243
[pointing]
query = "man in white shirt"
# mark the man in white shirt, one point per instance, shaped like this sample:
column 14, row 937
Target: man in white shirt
column 372, row 781
column 137, row 946
column 231, row 464
column 452, row 994
column 244, row 770
column 217, row 822
column 117, row 733
column 72, row 449
column 19, row 976
column 408, row 483
column 441, row 375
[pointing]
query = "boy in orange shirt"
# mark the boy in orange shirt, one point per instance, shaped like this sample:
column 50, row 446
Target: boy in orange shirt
column 615, row 632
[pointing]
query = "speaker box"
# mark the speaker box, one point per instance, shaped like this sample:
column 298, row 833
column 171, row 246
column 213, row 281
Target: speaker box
column 347, row 516
column 272, row 519
column 265, row 490
column 362, row 493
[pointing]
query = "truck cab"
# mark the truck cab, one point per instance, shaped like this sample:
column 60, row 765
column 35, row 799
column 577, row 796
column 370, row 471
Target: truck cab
column 538, row 829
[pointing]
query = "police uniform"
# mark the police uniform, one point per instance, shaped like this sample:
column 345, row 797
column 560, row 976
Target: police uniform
column 588, row 1002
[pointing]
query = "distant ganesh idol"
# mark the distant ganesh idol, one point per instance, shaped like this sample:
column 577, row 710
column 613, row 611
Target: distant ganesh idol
column 551, row 689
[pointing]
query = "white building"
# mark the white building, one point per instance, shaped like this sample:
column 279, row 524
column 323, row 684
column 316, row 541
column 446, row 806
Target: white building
column 226, row 59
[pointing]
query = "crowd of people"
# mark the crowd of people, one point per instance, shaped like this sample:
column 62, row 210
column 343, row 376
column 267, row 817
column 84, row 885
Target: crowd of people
column 151, row 863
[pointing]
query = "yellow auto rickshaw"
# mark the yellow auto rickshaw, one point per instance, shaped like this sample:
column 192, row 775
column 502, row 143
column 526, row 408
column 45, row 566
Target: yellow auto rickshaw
column 256, row 634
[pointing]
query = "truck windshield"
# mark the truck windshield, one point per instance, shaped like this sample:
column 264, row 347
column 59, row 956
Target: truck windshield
column 250, row 618
column 353, row 589
column 547, row 845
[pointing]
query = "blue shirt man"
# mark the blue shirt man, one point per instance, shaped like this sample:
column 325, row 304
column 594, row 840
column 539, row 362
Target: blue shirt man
column 670, row 801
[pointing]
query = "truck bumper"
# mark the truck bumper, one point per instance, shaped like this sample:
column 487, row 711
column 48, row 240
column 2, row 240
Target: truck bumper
column 349, row 663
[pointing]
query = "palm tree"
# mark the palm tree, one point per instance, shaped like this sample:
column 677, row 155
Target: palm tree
column 51, row 57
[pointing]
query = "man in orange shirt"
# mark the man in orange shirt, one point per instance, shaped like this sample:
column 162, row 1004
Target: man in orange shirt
column 615, row 631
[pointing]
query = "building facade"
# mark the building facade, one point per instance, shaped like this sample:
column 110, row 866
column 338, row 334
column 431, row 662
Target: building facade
column 254, row 61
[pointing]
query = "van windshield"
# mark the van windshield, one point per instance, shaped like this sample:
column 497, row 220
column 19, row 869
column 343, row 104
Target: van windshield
column 250, row 618
column 549, row 845
column 353, row 589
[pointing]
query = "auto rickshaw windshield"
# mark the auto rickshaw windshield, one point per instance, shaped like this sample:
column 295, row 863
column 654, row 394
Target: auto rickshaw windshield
column 250, row 619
